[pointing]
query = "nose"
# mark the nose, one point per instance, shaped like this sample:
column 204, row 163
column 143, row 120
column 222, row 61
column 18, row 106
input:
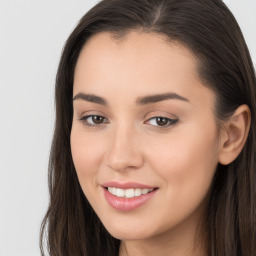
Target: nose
column 124, row 151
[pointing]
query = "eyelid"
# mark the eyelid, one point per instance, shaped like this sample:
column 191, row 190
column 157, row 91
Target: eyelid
column 83, row 119
column 171, row 121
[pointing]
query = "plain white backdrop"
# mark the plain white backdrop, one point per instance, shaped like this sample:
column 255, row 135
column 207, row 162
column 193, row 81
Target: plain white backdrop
column 32, row 34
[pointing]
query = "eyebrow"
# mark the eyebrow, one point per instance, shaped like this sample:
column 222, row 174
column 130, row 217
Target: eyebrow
column 159, row 97
column 91, row 98
column 140, row 101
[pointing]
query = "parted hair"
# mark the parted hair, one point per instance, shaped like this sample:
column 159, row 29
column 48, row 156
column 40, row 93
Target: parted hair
column 209, row 30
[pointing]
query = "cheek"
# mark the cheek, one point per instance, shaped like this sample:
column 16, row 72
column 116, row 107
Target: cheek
column 86, row 152
column 186, row 161
column 187, row 147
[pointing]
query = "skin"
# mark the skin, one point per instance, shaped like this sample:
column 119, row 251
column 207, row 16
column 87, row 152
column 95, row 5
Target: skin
column 130, row 146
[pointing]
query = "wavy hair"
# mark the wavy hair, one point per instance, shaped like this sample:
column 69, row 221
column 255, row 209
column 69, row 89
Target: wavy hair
column 210, row 31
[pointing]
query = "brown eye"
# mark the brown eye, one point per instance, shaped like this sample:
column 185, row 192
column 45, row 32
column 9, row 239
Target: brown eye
column 97, row 119
column 93, row 120
column 160, row 121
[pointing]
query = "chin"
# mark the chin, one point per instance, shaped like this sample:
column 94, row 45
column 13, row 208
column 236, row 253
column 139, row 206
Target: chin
column 129, row 232
column 126, row 235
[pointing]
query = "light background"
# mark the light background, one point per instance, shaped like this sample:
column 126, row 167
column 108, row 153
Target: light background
column 32, row 34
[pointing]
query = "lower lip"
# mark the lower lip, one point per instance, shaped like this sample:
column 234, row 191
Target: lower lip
column 127, row 204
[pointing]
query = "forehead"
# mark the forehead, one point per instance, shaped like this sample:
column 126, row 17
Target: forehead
column 138, row 63
column 135, row 45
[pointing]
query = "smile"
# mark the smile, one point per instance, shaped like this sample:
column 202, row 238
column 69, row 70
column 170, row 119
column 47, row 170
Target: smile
column 127, row 196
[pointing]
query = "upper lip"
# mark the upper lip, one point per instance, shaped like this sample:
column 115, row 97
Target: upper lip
column 126, row 185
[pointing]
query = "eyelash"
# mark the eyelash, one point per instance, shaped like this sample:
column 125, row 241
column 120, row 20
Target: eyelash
column 84, row 120
column 170, row 122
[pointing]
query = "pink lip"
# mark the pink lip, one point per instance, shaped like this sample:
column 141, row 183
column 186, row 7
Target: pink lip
column 126, row 204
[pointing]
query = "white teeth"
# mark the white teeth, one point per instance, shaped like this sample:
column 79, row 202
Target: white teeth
column 114, row 191
column 120, row 192
column 144, row 191
column 137, row 192
column 128, row 193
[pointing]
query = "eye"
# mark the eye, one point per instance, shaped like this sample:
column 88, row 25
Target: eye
column 93, row 120
column 162, row 121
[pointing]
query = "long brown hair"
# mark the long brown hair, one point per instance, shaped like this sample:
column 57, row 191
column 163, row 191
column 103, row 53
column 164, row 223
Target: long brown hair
column 210, row 31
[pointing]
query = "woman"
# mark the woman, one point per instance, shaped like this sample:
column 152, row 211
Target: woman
column 154, row 144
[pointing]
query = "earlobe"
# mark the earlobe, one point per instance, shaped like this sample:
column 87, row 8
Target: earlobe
column 234, row 135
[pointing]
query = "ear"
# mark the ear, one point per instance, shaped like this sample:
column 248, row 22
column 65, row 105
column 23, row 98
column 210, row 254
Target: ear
column 234, row 135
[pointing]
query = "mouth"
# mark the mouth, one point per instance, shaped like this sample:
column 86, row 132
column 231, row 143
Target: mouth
column 127, row 196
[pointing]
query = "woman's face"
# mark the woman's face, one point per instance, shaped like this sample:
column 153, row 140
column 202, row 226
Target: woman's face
column 143, row 121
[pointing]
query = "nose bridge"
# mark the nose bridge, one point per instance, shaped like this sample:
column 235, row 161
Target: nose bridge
column 124, row 149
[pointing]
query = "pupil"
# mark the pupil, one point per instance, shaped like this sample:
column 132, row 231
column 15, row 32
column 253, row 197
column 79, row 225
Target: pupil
column 97, row 119
column 161, row 121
